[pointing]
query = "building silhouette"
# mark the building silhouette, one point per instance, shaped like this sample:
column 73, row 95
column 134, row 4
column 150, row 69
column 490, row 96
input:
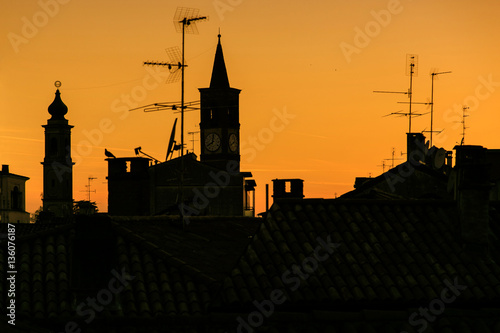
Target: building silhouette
column 380, row 259
column 57, row 163
column 12, row 197
column 213, row 185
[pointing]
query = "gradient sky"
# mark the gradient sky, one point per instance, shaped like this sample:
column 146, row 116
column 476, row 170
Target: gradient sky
column 317, row 61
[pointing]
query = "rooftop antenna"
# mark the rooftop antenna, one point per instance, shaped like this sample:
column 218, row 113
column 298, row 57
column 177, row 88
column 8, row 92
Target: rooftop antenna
column 383, row 165
column 393, row 158
column 433, row 75
column 411, row 70
column 464, row 110
column 174, row 65
column 88, row 187
column 185, row 21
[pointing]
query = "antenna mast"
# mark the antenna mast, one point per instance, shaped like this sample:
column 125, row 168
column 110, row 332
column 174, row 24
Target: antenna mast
column 412, row 70
column 411, row 60
column 184, row 20
column 433, row 74
column 464, row 110
column 88, row 186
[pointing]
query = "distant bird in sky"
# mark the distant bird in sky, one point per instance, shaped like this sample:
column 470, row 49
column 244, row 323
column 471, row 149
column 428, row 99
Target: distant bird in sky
column 108, row 153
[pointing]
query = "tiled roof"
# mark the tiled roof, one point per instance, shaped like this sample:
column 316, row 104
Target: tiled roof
column 211, row 245
column 391, row 254
column 393, row 257
column 163, row 286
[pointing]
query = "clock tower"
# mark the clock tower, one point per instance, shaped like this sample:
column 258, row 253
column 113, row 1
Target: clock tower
column 220, row 121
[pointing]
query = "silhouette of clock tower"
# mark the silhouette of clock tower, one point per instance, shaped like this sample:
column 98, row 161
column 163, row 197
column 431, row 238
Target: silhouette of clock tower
column 220, row 121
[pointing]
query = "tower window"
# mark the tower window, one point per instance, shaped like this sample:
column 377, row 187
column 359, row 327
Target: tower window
column 16, row 198
column 211, row 115
column 53, row 146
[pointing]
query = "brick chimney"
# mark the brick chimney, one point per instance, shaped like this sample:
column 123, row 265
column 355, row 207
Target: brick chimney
column 472, row 195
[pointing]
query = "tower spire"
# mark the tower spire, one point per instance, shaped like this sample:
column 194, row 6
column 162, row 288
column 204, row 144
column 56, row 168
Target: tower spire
column 219, row 72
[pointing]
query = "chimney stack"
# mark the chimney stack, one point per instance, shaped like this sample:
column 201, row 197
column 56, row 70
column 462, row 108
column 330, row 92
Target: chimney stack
column 416, row 149
column 288, row 189
column 472, row 194
column 5, row 168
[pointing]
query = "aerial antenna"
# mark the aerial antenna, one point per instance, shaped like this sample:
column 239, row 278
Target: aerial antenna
column 412, row 65
column 383, row 165
column 411, row 70
column 174, row 106
column 88, row 186
column 174, row 65
column 433, row 75
column 185, row 21
column 393, row 158
column 464, row 115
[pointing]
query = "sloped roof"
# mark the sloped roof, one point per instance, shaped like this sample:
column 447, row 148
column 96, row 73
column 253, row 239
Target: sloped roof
column 390, row 254
column 404, row 181
column 391, row 257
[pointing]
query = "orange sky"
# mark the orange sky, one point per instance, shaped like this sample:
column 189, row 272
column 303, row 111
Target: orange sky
column 317, row 61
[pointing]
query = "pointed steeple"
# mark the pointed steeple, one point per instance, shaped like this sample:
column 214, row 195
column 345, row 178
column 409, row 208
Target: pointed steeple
column 219, row 73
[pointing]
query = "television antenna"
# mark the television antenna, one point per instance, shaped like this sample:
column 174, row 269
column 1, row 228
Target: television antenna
column 464, row 115
column 411, row 70
column 433, row 75
column 88, row 186
column 393, row 158
column 185, row 21
column 174, row 65
column 383, row 165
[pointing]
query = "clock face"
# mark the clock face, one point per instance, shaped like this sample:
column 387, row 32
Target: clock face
column 233, row 142
column 212, row 142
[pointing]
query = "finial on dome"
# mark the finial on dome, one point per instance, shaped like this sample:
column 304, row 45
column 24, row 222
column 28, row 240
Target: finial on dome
column 58, row 109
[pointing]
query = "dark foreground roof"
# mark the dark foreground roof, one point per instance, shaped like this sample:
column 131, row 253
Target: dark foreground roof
column 386, row 260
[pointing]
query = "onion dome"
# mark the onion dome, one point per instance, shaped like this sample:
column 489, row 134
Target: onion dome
column 58, row 109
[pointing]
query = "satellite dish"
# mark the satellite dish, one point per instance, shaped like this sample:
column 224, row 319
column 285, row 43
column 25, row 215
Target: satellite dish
column 439, row 158
column 171, row 141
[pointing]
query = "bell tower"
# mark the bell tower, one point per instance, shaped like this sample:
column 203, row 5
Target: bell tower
column 57, row 164
column 219, row 114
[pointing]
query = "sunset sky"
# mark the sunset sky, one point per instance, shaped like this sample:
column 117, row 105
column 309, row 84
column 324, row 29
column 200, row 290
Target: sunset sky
column 313, row 63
